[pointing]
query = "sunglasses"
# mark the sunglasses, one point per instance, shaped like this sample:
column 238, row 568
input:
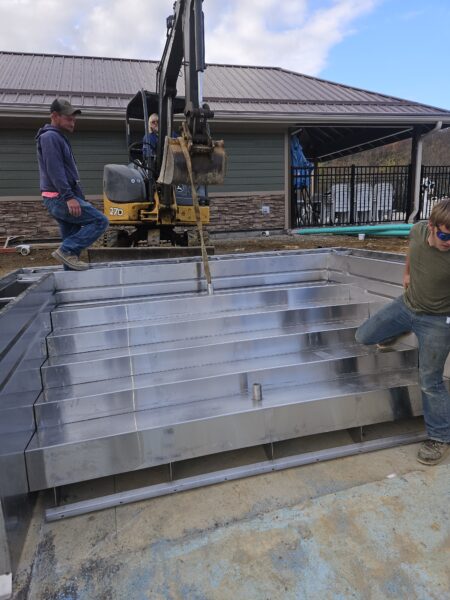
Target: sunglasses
column 444, row 237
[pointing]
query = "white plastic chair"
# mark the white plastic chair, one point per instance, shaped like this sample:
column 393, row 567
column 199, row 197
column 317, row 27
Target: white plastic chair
column 384, row 197
column 340, row 201
column 363, row 202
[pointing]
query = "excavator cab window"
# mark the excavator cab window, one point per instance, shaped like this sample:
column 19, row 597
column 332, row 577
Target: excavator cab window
column 135, row 154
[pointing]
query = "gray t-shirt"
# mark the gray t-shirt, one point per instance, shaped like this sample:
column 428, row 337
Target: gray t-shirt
column 429, row 288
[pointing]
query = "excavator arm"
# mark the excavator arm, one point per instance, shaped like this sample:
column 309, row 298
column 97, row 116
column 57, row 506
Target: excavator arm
column 185, row 45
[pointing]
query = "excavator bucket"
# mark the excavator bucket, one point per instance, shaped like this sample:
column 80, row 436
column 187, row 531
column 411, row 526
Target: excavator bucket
column 208, row 165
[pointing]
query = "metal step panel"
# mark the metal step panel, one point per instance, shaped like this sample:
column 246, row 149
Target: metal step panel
column 204, row 331
column 116, row 444
column 177, row 288
column 117, row 396
column 202, row 305
column 240, row 347
column 186, row 275
column 137, row 360
column 190, row 295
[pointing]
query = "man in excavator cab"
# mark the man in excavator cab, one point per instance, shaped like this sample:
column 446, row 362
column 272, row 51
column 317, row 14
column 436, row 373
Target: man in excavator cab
column 157, row 192
column 150, row 140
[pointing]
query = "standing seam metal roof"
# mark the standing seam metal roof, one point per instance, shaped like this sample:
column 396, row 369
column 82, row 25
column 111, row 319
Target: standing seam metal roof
column 31, row 81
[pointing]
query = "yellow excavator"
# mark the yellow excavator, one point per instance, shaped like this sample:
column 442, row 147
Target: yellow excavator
column 153, row 194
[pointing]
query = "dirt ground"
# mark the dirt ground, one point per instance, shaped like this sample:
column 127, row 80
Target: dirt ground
column 42, row 256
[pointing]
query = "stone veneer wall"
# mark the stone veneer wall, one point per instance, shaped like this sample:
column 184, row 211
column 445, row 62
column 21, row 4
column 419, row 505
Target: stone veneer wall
column 240, row 213
column 29, row 218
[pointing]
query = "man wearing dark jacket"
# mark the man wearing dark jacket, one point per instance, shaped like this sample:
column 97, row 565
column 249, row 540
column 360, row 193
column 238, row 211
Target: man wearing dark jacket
column 80, row 223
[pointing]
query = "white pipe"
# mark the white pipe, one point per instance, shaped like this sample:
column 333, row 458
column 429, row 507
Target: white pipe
column 418, row 165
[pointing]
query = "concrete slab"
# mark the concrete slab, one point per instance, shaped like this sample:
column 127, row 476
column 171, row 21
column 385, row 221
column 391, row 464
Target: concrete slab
column 373, row 526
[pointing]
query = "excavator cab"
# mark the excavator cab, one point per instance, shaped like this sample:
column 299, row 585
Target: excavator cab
column 132, row 194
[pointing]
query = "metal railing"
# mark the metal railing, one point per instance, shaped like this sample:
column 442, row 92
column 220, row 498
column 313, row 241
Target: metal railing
column 362, row 195
column 435, row 187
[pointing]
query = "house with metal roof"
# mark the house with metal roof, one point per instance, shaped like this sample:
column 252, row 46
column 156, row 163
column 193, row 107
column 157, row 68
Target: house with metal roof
column 257, row 110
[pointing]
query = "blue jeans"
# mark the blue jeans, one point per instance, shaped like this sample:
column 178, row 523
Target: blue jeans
column 433, row 336
column 77, row 233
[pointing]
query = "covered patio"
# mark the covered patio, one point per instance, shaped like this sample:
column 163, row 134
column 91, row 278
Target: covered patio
column 330, row 195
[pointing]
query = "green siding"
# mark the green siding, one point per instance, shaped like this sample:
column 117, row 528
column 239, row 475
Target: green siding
column 19, row 175
column 93, row 150
column 18, row 167
column 255, row 161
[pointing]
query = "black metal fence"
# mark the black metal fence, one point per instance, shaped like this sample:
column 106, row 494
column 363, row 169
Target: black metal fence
column 362, row 195
column 435, row 187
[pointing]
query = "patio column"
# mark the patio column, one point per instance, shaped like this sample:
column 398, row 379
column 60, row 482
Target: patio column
column 416, row 164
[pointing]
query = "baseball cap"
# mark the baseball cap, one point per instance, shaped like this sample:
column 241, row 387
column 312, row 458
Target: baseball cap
column 63, row 106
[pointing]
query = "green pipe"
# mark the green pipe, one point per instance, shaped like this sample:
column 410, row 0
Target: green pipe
column 355, row 229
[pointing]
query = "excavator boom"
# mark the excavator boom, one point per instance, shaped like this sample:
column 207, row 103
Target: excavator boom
column 185, row 45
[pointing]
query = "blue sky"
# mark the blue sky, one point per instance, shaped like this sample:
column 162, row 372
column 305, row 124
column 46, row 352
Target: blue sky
column 396, row 47
column 402, row 48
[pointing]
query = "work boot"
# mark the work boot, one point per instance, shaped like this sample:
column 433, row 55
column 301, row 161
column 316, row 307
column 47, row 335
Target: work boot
column 388, row 345
column 431, row 452
column 71, row 260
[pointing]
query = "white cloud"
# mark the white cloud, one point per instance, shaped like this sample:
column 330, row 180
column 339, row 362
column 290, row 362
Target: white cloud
column 294, row 34
column 27, row 26
column 125, row 28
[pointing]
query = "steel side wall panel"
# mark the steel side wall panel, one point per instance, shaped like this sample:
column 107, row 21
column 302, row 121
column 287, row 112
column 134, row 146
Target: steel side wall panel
column 191, row 287
column 19, row 314
column 24, row 323
column 54, row 466
column 384, row 282
column 188, row 270
column 385, row 277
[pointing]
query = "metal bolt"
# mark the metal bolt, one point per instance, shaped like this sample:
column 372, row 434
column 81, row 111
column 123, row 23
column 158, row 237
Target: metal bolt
column 257, row 392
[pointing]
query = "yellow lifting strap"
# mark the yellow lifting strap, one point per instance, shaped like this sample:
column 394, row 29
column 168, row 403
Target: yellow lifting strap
column 205, row 260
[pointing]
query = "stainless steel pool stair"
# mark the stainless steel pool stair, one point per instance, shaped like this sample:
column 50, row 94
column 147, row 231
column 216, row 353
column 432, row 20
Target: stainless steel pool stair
column 135, row 380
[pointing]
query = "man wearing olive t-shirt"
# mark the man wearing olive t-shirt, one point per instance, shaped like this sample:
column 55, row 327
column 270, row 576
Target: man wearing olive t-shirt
column 424, row 309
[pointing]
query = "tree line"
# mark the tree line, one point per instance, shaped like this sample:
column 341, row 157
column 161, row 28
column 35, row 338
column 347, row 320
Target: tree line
column 436, row 152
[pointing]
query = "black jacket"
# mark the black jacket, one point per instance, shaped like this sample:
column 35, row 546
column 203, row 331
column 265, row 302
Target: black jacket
column 57, row 167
